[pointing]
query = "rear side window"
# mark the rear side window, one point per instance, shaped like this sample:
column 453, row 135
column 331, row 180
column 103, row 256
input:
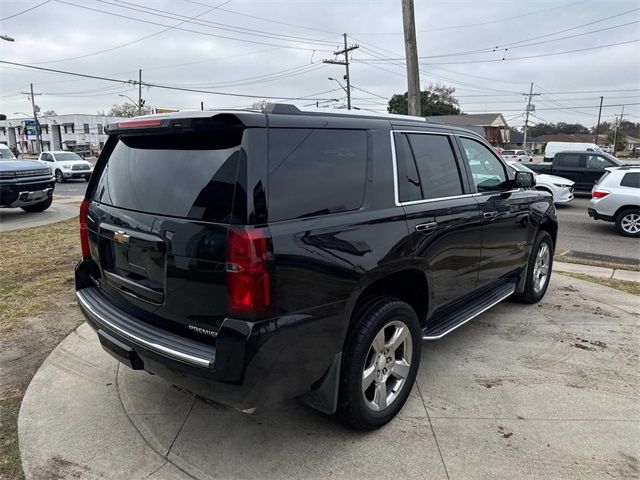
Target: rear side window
column 631, row 180
column 315, row 171
column 188, row 176
column 409, row 186
column 568, row 160
column 437, row 166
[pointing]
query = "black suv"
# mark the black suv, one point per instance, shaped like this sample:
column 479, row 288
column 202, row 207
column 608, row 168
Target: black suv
column 285, row 253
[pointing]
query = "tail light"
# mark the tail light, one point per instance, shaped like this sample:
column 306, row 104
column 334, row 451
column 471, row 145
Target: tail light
column 599, row 194
column 84, row 234
column 248, row 282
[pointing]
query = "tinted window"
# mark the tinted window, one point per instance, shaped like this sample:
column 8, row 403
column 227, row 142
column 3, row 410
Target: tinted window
column 409, row 188
column 631, row 180
column 568, row 160
column 487, row 171
column 315, row 172
column 190, row 176
column 439, row 175
column 596, row 162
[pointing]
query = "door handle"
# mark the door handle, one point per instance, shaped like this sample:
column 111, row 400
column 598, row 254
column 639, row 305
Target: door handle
column 426, row 227
column 490, row 215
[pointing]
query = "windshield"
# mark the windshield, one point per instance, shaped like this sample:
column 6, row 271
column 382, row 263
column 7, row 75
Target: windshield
column 521, row 168
column 613, row 159
column 66, row 156
column 6, row 154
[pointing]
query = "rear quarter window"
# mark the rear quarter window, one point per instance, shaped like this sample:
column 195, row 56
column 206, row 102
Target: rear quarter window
column 315, row 172
column 631, row 179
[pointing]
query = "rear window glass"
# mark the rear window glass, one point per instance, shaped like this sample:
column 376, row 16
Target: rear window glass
column 189, row 176
column 315, row 171
column 631, row 180
column 508, row 152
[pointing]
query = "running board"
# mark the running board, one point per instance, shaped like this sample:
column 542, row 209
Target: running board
column 451, row 318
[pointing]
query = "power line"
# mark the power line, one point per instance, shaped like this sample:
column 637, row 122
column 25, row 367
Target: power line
column 134, row 41
column 186, row 29
column 24, row 11
column 208, row 23
column 157, row 85
column 571, row 108
column 304, row 27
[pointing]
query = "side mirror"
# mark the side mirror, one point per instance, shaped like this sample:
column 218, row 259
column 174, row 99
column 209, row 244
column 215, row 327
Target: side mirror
column 525, row 180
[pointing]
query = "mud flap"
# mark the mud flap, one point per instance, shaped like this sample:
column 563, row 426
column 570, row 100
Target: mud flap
column 325, row 397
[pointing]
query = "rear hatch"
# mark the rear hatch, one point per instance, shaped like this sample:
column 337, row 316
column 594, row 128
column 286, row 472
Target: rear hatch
column 161, row 206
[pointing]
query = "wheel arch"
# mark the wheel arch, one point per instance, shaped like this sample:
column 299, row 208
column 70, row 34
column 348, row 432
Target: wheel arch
column 625, row 207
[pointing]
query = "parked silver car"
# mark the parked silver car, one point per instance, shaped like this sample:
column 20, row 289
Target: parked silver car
column 516, row 156
column 616, row 198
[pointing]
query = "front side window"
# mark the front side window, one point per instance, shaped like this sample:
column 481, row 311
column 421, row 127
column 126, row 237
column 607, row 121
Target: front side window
column 315, row 171
column 596, row 162
column 437, row 166
column 487, row 171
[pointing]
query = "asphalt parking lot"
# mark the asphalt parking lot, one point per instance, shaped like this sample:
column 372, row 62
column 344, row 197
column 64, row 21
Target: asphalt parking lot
column 523, row 391
column 580, row 233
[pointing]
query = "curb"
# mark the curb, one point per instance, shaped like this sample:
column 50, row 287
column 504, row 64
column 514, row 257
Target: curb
column 600, row 272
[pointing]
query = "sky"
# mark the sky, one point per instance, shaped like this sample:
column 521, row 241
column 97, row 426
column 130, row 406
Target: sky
column 574, row 51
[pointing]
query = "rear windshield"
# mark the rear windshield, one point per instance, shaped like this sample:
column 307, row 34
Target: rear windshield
column 189, row 176
column 508, row 152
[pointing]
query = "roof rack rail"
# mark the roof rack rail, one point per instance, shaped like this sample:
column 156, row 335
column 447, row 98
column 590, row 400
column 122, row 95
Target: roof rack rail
column 290, row 109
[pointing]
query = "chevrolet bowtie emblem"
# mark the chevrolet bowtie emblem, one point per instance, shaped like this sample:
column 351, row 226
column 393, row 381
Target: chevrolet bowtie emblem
column 121, row 237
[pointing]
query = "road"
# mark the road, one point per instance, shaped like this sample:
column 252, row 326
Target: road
column 578, row 232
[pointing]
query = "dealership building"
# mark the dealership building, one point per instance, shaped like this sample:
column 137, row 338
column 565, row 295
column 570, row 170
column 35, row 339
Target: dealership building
column 59, row 132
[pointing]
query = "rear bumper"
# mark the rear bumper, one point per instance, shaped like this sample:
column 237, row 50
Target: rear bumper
column 248, row 364
column 596, row 216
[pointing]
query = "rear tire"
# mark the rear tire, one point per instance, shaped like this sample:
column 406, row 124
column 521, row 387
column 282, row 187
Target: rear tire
column 379, row 363
column 628, row 222
column 39, row 207
column 539, row 269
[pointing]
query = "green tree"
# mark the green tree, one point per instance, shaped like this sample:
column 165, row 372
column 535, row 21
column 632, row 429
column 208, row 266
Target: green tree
column 560, row 127
column 621, row 140
column 125, row 110
column 435, row 100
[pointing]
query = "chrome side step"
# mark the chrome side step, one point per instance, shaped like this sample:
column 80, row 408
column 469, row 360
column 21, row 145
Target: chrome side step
column 451, row 318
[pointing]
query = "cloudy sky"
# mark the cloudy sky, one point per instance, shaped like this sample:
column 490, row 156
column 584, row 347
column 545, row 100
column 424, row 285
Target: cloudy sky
column 489, row 50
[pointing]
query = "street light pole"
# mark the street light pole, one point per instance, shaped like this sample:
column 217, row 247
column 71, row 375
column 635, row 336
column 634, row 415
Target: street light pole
column 35, row 118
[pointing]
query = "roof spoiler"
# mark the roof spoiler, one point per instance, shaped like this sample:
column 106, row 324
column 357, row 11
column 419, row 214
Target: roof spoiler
column 168, row 124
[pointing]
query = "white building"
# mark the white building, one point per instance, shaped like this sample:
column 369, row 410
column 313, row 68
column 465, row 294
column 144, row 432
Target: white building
column 59, row 132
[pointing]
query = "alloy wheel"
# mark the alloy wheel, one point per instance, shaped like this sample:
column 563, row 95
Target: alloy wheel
column 387, row 365
column 630, row 223
column 541, row 268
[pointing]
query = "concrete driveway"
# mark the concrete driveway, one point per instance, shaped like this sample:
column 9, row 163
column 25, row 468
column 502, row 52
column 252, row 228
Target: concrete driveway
column 541, row 391
column 60, row 209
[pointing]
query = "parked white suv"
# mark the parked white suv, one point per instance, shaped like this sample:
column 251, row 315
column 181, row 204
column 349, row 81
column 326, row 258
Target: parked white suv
column 616, row 198
column 66, row 165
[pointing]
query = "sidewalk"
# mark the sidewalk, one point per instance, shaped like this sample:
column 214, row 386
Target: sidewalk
column 522, row 391
column 600, row 272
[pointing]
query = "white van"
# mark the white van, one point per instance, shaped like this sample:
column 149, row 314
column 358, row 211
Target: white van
column 554, row 147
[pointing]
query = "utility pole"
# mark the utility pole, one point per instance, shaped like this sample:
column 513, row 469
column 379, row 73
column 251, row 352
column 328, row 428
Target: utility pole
column 35, row 115
column 139, row 92
column 530, row 108
column 595, row 140
column 345, row 51
column 411, row 54
column 615, row 134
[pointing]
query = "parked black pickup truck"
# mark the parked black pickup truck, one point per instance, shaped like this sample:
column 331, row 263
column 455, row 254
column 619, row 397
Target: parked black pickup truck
column 24, row 183
column 584, row 168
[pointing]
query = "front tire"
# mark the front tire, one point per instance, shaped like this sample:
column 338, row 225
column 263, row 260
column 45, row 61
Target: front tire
column 539, row 269
column 379, row 363
column 628, row 222
column 59, row 177
column 38, row 207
